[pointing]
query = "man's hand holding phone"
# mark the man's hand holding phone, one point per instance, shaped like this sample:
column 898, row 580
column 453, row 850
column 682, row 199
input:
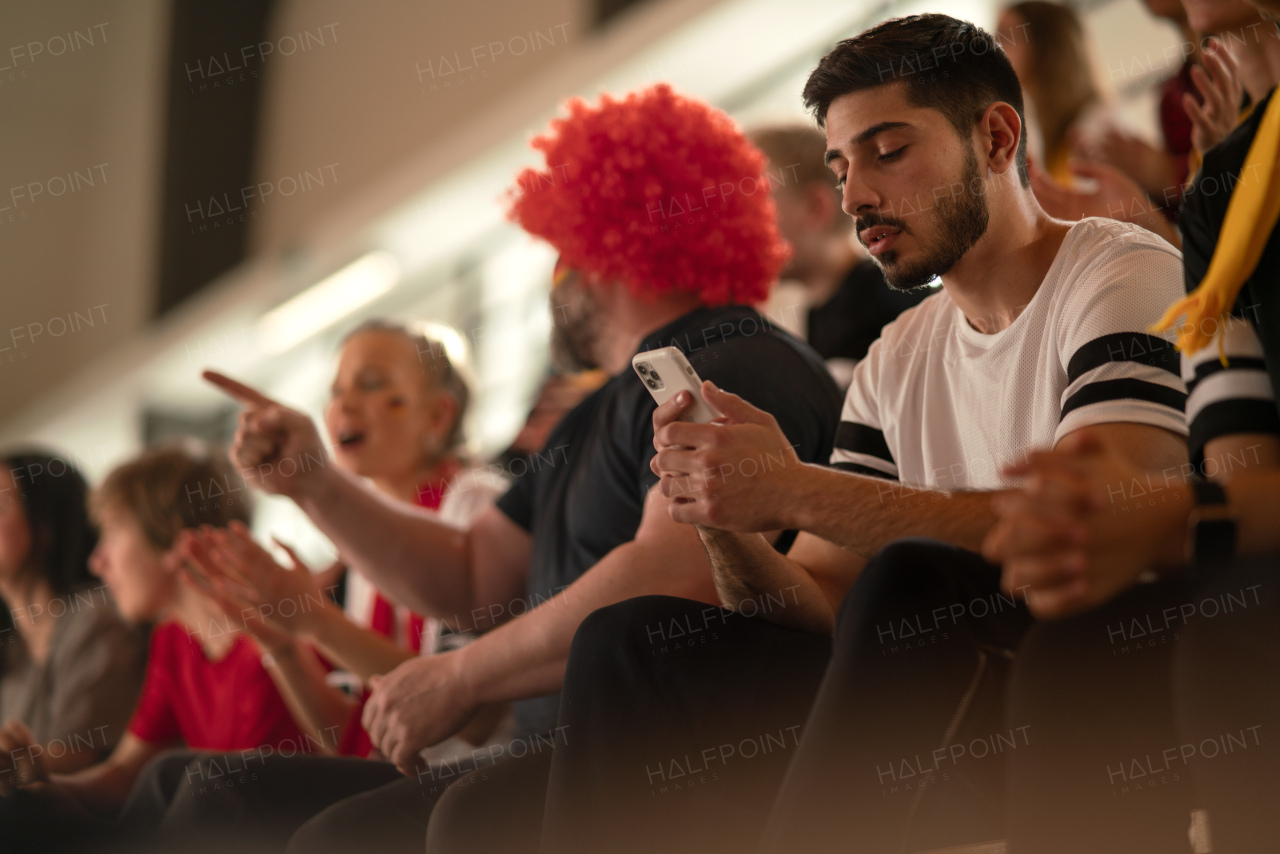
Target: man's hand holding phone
column 733, row 473
column 275, row 447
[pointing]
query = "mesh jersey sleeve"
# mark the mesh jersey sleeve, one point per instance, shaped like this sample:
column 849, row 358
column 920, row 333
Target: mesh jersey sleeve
column 1116, row 371
column 860, row 444
column 1231, row 399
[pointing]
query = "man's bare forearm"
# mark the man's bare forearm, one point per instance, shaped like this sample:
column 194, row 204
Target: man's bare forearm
column 414, row 557
column 865, row 514
column 526, row 656
column 751, row 576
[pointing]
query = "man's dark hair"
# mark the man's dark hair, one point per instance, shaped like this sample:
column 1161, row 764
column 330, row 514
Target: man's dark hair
column 944, row 64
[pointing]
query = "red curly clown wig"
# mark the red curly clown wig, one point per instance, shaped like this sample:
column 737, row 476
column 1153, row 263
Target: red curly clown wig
column 658, row 191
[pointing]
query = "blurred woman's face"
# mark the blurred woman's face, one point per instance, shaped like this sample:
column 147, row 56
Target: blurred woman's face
column 134, row 570
column 1011, row 32
column 384, row 417
column 15, row 533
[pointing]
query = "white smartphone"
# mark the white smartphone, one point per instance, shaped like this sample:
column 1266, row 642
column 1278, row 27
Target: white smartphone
column 665, row 372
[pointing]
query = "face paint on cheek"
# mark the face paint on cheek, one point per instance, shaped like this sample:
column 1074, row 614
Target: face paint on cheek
column 397, row 406
column 559, row 274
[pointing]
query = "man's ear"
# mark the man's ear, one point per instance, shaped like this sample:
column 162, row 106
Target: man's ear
column 1000, row 130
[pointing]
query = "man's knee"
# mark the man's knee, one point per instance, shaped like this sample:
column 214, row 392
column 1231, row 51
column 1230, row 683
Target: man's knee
column 493, row 812
column 631, row 624
column 910, row 570
column 340, row 827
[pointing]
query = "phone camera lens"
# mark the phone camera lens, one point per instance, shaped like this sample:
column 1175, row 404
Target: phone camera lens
column 651, row 384
column 642, row 368
column 655, row 375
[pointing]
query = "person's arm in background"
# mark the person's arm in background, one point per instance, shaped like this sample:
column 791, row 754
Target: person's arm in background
column 243, row 580
column 287, row 604
column 435, row 568
column 1114, row 195
column 425, row 700
column 100, row 789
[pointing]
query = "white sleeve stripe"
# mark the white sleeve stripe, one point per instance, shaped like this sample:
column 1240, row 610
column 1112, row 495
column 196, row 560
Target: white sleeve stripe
column 842, row 456
column 1238, row 340
column 1125, row 411
column 1229, row 385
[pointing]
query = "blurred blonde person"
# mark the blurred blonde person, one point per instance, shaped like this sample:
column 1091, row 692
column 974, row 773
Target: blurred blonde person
column 394, row 416
column 1047, row 46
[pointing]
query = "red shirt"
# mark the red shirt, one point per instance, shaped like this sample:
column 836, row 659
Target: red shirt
column 229, row 704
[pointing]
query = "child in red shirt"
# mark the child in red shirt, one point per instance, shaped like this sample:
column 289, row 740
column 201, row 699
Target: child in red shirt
column 205, row 684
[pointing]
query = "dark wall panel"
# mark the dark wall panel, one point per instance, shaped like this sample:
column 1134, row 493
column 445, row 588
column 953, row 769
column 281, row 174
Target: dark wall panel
column 215, row 71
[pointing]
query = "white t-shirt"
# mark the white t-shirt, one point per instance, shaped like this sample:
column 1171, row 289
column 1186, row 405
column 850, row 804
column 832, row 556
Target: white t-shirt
column 937, row 404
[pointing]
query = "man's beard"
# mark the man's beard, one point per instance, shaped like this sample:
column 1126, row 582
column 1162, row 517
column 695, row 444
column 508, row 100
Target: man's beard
column 573, row 332
column 961, row 219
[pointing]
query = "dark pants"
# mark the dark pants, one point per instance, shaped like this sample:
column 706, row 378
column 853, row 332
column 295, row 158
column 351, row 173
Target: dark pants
column 1095, row 692
column 247, row 802
column 308, row 804
column 1154, row 705
column 204, row 802
column 679, row 720
column 1227, row 688
column 905, row 748
column 499, row 811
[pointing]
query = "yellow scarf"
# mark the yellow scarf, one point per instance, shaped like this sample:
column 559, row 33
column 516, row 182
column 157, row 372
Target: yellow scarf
column 1251, row 217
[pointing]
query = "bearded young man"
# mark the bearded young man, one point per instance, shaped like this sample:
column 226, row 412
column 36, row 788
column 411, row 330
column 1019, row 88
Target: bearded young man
column 587, row 528
column 1038, row 332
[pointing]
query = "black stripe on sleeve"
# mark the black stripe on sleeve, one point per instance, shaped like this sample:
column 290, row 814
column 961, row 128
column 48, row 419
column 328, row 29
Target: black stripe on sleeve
column 1127, row 389
column 1228, row 418
column 858, row 468
column 1234, row 363
column 1124, row 347
column 861, row 439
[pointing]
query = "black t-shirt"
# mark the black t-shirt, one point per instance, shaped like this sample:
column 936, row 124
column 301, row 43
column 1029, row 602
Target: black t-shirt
column 845, row 325
column 1259, row 301
column 584, row 494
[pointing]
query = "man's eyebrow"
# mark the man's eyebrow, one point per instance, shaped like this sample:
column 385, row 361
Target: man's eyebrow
column 865, row 137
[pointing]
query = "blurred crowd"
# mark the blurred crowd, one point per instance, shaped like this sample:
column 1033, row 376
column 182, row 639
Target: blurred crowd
column 563, row 648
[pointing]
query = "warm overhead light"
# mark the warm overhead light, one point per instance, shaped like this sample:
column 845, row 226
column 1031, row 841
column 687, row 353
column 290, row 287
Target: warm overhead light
column 328, row 301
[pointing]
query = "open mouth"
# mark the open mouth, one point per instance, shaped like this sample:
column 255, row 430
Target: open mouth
column 349, row 440
column 878, row 238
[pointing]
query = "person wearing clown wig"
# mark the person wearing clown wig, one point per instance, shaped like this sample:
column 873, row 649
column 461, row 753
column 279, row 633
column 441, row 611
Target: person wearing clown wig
column 660, row 211
column 1037, row 333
